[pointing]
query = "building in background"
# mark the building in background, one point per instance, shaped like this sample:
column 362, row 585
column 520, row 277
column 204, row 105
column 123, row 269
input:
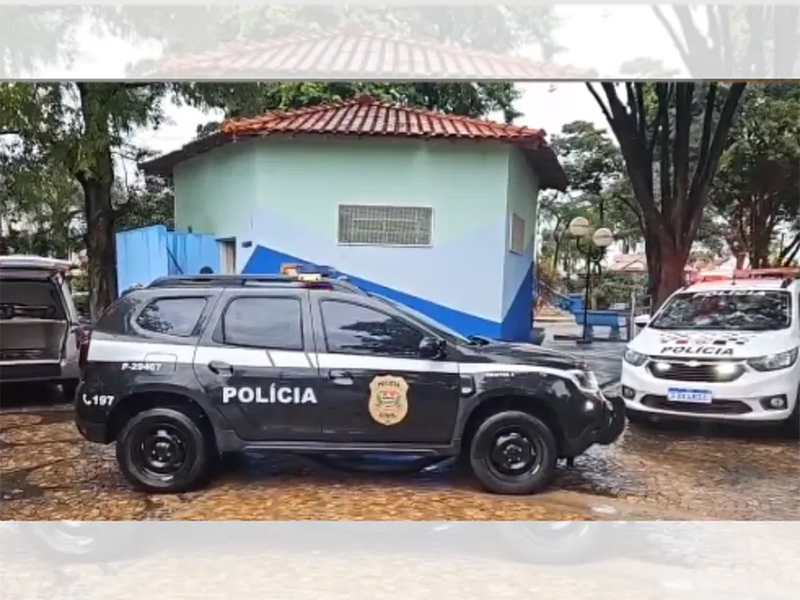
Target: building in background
column 432, row 210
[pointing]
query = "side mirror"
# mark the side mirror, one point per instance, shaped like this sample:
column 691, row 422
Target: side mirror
column 431, row 348
column 642, row 320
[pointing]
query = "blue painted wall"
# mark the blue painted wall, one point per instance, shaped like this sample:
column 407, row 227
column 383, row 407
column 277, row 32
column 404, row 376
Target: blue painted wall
column 279, row 199
column 518, row 269
column 151, row 252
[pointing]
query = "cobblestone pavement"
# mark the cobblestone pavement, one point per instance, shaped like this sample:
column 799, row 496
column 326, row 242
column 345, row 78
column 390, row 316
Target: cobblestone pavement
column 48, row 472
column 605, row 357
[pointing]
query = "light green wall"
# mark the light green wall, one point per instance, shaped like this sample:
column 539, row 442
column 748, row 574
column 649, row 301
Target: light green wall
column 303, row 180
column 523, row 192
column 210, row 189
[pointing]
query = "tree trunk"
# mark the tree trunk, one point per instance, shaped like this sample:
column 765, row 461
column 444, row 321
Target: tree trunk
column 652, row 254
column 670, row 275
column 759, row 249
column 557, row 249
column 101, row 248
column 95, row 174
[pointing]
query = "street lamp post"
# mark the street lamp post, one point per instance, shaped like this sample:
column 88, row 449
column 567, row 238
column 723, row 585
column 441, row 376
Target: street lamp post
column 592, row 245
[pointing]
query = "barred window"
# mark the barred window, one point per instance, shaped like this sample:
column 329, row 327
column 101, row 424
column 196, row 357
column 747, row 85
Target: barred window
column 385, row 225
column 517, row 244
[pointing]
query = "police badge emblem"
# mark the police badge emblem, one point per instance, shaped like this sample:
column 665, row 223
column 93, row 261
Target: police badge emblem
column 388, row 402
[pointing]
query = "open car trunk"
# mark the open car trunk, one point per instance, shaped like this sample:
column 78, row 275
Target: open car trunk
column 33, row 321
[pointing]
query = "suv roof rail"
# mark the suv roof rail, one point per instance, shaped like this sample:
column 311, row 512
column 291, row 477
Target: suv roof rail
column 173, row 281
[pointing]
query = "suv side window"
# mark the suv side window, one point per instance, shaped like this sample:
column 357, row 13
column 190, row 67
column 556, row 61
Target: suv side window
column 172, row 316
column 355, row 329
column 263, row 322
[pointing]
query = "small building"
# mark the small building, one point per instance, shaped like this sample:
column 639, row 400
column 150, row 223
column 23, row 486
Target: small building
column 432, row 210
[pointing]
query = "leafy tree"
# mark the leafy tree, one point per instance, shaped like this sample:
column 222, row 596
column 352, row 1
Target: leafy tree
column 671, row 138
column 598, row 188
column 143, row 206
column 40, row 206
column 758, row 186
column 79, row 128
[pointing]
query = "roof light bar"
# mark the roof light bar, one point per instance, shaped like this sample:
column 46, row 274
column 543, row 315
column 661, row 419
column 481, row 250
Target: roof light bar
column 786, row 273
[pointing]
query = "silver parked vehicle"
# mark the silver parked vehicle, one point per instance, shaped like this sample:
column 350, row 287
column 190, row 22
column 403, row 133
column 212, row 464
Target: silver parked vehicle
column 41, row 333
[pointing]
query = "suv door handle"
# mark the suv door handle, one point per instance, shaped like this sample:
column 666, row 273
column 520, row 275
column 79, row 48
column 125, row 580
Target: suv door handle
column 341, row 377
column 220, row 368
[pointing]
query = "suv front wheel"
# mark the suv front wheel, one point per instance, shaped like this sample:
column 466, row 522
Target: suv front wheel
column 513, row 453
column 163, row 450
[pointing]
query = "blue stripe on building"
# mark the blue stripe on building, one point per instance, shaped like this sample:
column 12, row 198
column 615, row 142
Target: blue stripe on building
column 516, row 323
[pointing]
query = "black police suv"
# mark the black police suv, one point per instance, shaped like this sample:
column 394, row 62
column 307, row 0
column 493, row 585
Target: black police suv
column 188, row 369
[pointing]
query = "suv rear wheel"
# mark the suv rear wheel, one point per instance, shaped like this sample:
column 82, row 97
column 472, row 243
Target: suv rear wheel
column 163, row 450
column 513, row 452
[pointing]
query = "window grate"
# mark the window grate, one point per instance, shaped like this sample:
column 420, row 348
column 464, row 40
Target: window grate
column 385, row 225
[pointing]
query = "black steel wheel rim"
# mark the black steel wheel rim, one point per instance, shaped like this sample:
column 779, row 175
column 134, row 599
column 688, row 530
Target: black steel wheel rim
column 161, row 451
column 514, row 454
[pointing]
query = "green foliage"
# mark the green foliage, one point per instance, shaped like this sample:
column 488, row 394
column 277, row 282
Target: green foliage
column 758, row 186
column 41, row 207
column 144, row 206
column 672, row 137
column 598, row 191
column 72, row 133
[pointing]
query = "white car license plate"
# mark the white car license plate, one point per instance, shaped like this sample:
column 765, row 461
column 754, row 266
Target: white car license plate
column 690, row 396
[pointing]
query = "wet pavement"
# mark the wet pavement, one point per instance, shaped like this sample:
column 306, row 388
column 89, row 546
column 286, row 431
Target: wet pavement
column 47, row 471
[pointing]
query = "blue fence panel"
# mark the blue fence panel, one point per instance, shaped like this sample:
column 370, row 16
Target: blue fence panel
column 190, row 252
column 141, row 256
column 151, row 252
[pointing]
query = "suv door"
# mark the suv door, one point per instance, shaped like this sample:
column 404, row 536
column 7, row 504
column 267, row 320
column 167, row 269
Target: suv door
column 374, row 386
column 254, row 366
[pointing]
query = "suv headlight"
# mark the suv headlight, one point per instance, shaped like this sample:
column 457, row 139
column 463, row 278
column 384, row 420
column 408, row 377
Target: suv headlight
column 774, row 362
column 634, row 358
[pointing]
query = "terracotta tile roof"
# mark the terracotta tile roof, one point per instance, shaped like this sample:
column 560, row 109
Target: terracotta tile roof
column 358, row 56
column 365, row 116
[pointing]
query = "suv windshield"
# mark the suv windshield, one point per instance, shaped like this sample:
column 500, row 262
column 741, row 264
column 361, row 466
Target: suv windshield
column 433, row 325
column 741, row 310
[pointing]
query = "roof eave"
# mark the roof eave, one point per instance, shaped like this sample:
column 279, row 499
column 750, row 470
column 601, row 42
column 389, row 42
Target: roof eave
column 163, row 166
column 547, row 167
column 542, row 159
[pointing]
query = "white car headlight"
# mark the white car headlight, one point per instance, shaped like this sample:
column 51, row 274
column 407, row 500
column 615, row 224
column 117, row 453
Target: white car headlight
column 774, row 362
column 634, row 358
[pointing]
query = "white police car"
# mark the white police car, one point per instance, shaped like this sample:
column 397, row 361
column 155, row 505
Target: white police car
column 721, row 349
